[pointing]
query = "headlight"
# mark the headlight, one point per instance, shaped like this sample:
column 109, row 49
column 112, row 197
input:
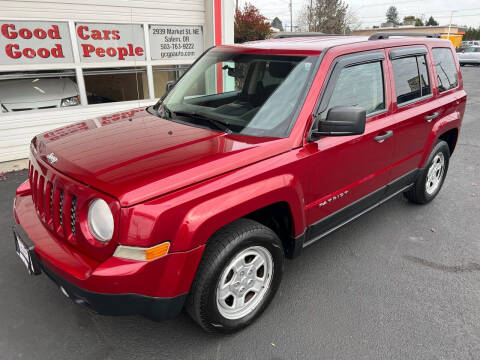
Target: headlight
column 100, row 220
column 70, row 101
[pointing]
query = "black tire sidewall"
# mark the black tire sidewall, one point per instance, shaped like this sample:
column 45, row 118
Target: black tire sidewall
column 270, row 243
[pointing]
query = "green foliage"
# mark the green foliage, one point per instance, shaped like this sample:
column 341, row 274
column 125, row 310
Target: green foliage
column 418, row 22
column 392, row 15
column 250, row 25
column 431, row 22
column 277, row 23
column 472, row 34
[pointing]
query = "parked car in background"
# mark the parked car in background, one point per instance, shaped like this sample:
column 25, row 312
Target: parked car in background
column 38, row 93
column 257, row 152
column 469, row 56
column 469, row 43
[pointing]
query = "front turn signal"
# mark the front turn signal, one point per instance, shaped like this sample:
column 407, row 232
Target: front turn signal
column 140, row 253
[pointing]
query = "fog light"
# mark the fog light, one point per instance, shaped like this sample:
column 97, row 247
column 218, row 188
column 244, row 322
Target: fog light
column 140, row 253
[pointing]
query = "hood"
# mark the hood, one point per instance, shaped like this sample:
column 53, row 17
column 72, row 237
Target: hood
column 36, row 90
column 135, row 156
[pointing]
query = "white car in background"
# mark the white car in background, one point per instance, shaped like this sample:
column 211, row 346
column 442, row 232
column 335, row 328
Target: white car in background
column 470, row 55
column 37, row 93
column 470, row 43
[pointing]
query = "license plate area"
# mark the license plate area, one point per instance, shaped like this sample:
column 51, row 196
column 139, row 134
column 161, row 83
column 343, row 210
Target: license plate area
column 26, row 254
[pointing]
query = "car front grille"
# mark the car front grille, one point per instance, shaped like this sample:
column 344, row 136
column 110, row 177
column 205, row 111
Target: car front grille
column 56, row 207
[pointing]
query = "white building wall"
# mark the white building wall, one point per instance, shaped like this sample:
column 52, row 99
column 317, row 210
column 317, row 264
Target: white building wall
column 17, row 129
column 161, row 11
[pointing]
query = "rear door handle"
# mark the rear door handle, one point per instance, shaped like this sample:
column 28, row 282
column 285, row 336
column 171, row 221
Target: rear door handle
column 382, row 138
column 429, row 118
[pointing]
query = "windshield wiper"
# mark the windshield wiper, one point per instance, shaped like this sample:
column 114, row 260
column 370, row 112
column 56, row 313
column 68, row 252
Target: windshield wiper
column 218, row 124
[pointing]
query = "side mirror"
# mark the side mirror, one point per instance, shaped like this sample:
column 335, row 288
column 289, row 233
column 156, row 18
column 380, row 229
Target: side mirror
column 169, row 86
column 342, row 121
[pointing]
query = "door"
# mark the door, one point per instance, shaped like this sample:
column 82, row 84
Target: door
column 347, row 174
column 414, row 110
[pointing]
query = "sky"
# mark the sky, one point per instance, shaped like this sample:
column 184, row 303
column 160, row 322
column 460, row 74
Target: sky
column 372, row 12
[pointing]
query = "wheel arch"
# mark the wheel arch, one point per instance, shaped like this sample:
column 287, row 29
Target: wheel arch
column 276, row 202
column 443, row 130
column 450, row 137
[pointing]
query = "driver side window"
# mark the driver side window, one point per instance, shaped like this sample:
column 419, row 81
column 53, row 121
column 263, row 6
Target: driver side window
column 359, row 85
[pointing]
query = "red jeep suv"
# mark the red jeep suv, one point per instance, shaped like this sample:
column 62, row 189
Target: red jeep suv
column 256, row 152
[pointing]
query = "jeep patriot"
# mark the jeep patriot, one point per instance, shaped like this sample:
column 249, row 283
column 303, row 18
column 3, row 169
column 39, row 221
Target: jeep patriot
column 256, row 152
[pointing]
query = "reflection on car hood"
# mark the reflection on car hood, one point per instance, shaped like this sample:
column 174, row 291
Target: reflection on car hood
column 136, row 156
column 36, row 90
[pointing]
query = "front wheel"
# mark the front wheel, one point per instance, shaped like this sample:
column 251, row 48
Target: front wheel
column 430, row 179
column 238, row 276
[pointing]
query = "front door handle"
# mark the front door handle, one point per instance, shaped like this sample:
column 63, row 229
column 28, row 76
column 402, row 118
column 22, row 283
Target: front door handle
column 431, row 117
column 382, row 138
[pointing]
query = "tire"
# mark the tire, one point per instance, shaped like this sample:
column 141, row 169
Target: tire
column 242, row 242
column 430, row 180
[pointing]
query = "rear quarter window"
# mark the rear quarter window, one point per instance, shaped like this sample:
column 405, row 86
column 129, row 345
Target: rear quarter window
column 411, row 78
column 447, row 76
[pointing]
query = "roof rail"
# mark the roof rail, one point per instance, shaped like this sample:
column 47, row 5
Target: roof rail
column 387, row 35
column 292, row 35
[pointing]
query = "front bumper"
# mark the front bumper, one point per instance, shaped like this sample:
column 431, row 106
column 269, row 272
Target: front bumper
column 102, row 303
column 115, row 286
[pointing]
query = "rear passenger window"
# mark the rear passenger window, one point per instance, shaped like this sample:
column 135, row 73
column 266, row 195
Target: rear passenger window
column 411, row 78
column 360, row 85
column 446, row 69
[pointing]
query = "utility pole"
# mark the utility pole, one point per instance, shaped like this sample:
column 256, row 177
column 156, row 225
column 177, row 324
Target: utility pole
column 450, row 25
column 291, row 17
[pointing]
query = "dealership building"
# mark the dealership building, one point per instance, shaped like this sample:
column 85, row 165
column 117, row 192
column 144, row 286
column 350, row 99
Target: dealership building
column 63, row 61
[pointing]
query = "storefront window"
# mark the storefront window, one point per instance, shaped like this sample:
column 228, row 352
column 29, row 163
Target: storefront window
column 113, row 85
column 37, row 90
column 163, row 74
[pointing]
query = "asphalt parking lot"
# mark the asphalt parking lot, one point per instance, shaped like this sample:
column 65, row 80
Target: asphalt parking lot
column 401, row 282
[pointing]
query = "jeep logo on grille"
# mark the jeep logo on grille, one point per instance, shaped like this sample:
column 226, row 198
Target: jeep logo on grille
column 52, row 158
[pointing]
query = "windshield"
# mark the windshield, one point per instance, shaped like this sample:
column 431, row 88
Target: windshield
column 249, row 94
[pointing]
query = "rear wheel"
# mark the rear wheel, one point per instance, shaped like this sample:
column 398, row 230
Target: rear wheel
column 430, row 179
column 238, row 276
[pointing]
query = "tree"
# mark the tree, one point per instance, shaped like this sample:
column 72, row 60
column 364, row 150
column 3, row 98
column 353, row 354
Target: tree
column 392, row 15
column 472, row 34
column 327, row 16
column 250, row 25
column 431, row 22
column 411, row 18
column 277, row 23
